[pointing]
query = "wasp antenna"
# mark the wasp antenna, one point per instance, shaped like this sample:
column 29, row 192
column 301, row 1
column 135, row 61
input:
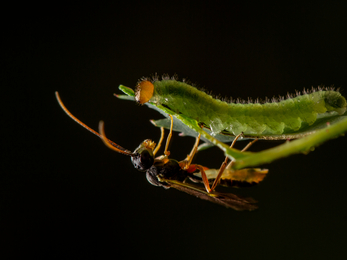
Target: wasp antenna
column 103, row 137
column 111, row 143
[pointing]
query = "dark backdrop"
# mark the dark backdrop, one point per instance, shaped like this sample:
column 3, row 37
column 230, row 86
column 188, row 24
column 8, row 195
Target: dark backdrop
column 65, row 195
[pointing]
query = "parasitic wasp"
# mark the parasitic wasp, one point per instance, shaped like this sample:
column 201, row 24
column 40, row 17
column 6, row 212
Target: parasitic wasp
column 182, row 175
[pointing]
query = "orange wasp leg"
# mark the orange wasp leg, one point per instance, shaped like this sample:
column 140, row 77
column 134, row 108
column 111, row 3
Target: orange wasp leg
column 166, row 152
column 160, row 141
column 223, row 166
column 244, row 149
column 185, row 164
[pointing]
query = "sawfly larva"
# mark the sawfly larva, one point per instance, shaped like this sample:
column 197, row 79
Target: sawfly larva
column 268, row 118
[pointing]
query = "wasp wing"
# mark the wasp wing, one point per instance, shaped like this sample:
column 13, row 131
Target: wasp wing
column 228, row 200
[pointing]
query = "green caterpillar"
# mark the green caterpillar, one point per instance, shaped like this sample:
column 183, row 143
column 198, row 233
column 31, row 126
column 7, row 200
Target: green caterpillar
column 269, row 118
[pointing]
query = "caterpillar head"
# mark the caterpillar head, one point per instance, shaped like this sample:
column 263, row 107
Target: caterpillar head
column 144, row 92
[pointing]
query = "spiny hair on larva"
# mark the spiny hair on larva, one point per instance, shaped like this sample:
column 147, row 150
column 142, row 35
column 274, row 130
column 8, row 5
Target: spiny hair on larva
column 156, row 77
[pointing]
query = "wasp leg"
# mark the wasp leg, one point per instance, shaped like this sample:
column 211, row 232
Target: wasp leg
column 160, row 141
column 223, row 166
column 244, row 149
column 166, row 152
column 249, row 145
column 204, row 178
column 185, row 164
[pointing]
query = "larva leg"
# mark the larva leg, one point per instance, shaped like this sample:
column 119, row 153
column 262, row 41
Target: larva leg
column 166, row 152
column 160, row 141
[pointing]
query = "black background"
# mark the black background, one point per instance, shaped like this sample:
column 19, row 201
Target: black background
column 64, row 195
